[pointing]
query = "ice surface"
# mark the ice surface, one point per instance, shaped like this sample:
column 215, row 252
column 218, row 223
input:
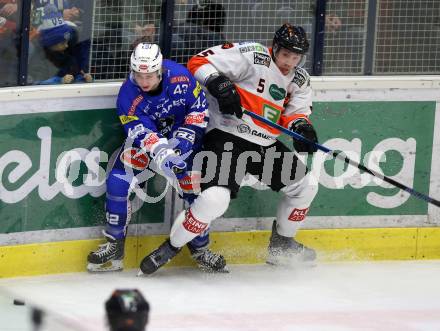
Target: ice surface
column 390, row 296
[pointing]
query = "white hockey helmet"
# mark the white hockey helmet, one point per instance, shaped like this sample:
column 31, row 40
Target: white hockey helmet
column 146, row 58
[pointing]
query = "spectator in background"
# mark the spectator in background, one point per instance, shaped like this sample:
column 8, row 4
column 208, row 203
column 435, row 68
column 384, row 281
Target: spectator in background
column 107, row 35
column 8, row 9
column 202, row 29
column 59, row 40
column 332, row 22
column 127, row 310
column 145, row 31
column 8, row 42
column 78, row 12
column 139, row 20
column 7, row 26
column 69, row 9
column 118, row 28
column 345, row 26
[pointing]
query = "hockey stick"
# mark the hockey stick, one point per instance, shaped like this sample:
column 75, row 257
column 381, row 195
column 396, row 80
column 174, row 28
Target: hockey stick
column 337, row 155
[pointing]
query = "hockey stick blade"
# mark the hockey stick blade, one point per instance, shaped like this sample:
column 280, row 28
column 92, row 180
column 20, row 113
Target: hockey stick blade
column 339, row 156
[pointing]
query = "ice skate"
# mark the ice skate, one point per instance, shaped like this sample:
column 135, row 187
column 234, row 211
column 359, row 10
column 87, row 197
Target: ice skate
column 286, row 250
column 108, row 256
column 207, row 260
column 158, row 258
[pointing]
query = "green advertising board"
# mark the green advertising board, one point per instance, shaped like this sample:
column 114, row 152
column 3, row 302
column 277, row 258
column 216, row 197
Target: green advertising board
column 394, row 138
column 34, row 154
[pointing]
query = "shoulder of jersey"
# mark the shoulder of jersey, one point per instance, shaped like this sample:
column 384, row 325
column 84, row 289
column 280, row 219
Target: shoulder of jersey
column 301, row 77
column 176, row 73
column 250, row 46
column 128, row 88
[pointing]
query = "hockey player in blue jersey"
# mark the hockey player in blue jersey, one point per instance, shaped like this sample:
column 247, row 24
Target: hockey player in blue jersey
column 164, row 113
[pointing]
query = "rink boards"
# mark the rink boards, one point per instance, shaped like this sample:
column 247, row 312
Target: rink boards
column 55, row 144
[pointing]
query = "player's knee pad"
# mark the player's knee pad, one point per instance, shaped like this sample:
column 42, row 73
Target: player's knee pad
column 186, row 228
column 190, row 223
column 303, row 191
column 211, row 203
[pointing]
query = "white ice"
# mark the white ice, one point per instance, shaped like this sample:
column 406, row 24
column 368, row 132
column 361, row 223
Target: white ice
column 391, row 296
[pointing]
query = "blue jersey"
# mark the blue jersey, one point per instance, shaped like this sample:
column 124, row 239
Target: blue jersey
column 148, row 119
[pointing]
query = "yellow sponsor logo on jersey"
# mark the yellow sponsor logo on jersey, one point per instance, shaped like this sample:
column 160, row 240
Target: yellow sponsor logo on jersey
column 197, row 90
column 127, row 119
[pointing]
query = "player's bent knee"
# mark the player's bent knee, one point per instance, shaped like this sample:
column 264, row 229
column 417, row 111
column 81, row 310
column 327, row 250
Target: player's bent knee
column 212, row 203
column 305, row 190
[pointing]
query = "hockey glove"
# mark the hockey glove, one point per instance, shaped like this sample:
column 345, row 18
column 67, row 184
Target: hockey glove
column 171, row 164
column 186, row 138
column 306, row 130
column 227, row 96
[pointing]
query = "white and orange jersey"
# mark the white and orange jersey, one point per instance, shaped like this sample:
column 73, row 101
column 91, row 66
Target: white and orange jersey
column 263, row 90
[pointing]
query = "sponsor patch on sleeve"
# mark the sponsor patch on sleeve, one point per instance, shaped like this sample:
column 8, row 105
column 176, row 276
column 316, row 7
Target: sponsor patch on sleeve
column 194, row 119
column 127, row 119
column 197, row 90
column 301, row 77
column 134, row 104
column 262, row 59
column 253, row 48
column 227, row 45
column 179, row 79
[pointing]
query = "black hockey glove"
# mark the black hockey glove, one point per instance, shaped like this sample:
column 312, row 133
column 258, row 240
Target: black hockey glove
column 306, row 130
column 227, row 96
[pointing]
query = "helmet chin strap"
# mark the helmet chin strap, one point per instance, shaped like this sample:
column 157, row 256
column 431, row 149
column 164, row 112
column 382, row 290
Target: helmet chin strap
column 303, row 61
column 159, row 74
column 275, row 49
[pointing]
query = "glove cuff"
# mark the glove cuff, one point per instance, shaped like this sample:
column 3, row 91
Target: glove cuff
column 185, row 133
column 218, row 85
column 298, row 122
column 211, row 77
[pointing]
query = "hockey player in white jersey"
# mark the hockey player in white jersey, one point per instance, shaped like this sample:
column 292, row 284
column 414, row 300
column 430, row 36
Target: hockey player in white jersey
column 270, row 83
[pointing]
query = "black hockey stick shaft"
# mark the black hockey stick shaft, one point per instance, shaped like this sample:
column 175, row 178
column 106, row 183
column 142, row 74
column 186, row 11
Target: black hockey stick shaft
column 338, row 155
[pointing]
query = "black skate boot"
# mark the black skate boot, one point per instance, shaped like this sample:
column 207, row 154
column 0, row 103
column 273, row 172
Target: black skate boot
column 108, row 256
column 207, row 260
column 285, row 250
column 158, row 258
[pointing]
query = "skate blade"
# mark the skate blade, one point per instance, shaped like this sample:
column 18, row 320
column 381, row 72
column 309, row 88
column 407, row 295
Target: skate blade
column 289, row 261
column 208, row 270
column 115, row 265
column 149, row 267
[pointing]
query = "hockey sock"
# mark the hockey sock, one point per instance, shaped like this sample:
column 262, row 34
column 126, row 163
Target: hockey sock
column 294, row 205
column 201, row 240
